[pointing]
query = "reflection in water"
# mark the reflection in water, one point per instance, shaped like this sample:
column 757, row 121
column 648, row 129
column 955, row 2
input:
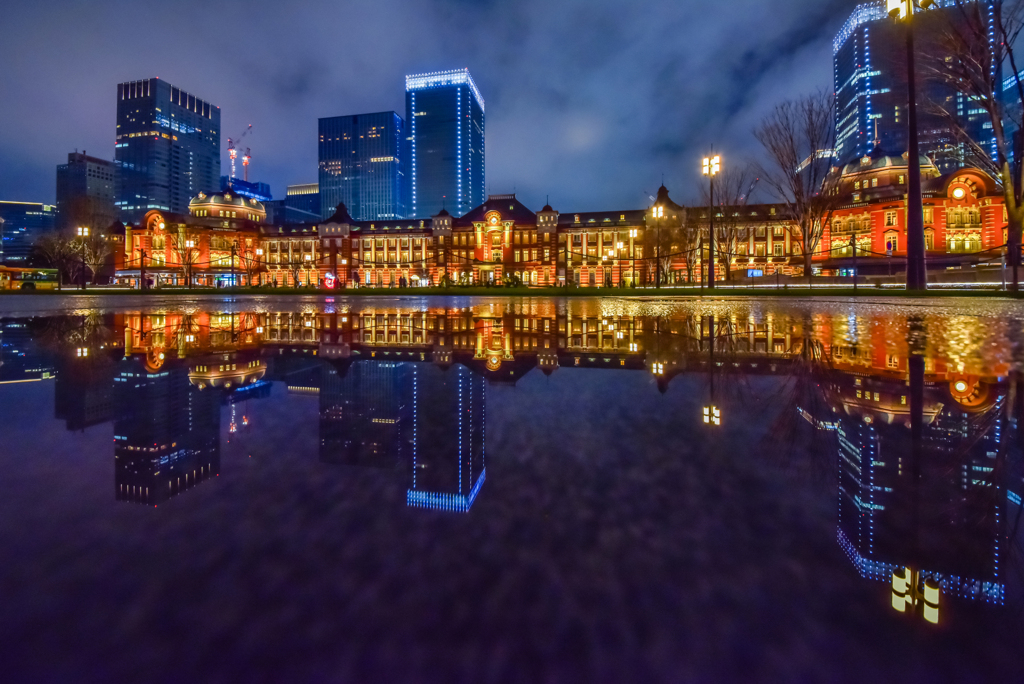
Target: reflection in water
column 922, row 414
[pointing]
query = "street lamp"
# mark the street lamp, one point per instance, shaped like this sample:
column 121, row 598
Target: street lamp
column 712, row 415
column 710, row 168
column 916, row 272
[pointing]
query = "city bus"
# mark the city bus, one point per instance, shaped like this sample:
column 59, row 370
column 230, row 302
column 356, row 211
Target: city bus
column 14, row 278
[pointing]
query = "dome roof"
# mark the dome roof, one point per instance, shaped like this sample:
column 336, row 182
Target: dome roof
column 884, row 161
column 228, row 199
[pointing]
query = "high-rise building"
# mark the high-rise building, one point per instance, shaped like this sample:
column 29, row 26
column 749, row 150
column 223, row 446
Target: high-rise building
column 251, row 189
column 85, row 193
column 301, row 204
column 445, row 115
column 168, row 147
column 870, row 72
column 362, row 166
column 21, row 225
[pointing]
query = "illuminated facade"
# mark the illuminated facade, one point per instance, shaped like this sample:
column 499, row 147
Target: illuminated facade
column 167, row 148
column 503, row 241
column 362, row 165
column 444, row 114
column 869, row 62
column 964, row 216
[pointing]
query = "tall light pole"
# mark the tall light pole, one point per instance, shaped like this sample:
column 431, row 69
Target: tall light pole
column 710, row 168
column 916, row 273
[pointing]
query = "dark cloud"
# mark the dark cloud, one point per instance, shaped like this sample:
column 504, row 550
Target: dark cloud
column 590, row 102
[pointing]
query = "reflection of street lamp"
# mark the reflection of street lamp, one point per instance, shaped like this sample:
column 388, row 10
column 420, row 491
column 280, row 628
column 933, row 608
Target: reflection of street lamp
column 712, row 414
column 907, row 592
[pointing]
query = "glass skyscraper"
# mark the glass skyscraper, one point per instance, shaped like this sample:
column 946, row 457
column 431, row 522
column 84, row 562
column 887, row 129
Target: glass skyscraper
column 445, row 115
column 21, row 226
column 362, row 165
column 869, row 66
column 168, row 148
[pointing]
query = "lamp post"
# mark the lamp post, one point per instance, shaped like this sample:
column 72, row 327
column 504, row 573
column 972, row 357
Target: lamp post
column 853, row 248
column 916, row 271
column 710, row 168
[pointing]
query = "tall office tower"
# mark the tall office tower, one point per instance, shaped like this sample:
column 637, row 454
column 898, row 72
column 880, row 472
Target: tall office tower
column 870, row 71
column 21, row 225
column 85, row 193
column 445, row 115
column 301, row 204
column 361, row 164
column 168, row 148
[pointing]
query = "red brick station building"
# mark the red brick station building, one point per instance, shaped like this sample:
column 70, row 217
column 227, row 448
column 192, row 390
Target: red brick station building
column 225, row 239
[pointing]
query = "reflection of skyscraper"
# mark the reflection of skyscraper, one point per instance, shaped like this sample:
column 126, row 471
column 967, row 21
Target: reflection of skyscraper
column 84, row 393
column 943, row 516
column 167, row 435
column 431, row 419
column 366, row 413
column 448, row 464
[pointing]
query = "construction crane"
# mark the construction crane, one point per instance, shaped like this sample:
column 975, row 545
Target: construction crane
column 245, row 164
column 233, row 153
column 746, row 196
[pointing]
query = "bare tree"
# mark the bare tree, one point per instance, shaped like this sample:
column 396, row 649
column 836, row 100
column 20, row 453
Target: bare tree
column 58, row 252
column 94, row 251
column 690, row 243
column 973, row 47
column 798, row 137
column 184, row 244
column 732, row 186
column 251, row 265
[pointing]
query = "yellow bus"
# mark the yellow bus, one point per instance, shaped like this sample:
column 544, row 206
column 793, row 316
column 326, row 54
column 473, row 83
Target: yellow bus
column 14, row 278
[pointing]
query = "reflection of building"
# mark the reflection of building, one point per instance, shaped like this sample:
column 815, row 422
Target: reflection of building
column 367, row 413
column 362, row 165
column 21, row 358
column 444, row 112
column 943, row 516
column 167, row 435
column 167, row 147
column 84, row 391
column 448, row 463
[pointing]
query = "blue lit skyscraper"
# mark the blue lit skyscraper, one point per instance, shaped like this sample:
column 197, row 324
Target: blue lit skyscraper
column 168, row 148
column 870, row 72
column 445, row 115
column 362, row 165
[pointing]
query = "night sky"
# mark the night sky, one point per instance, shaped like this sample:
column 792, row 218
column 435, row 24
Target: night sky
column 590, row 102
